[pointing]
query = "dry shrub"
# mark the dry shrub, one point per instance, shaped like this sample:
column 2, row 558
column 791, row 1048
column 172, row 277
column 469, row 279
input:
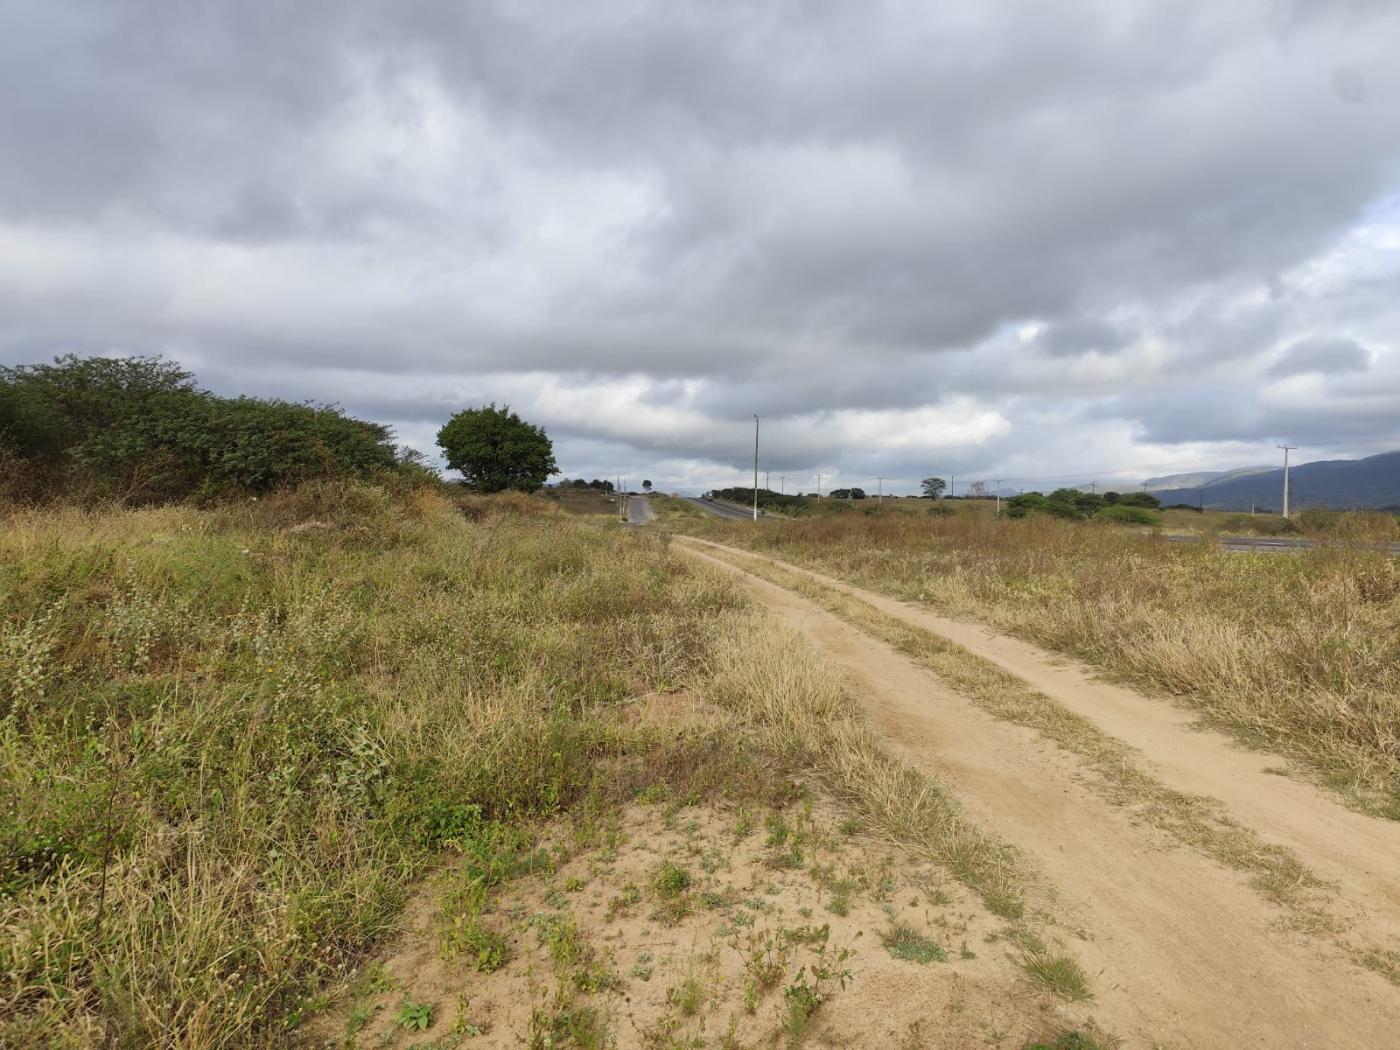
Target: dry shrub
column 477, row 506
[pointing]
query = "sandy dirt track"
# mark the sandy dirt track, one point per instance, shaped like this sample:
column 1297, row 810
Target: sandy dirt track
column 1184, row 953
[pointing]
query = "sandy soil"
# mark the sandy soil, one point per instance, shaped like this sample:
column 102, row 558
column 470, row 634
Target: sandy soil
column 665, row 975
column 1186, row 954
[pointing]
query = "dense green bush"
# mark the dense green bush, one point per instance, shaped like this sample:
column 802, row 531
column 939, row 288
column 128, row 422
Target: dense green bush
column 1128, row 515
column 138, row 429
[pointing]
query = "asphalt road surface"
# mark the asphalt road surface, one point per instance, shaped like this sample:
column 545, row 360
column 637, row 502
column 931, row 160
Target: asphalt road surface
column 1273, row 544
column 721, row 509
column 639, row 510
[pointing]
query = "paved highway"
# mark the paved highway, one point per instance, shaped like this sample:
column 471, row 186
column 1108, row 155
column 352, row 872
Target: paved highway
column 1275, row 544
column 639, row 510
column 721, row 509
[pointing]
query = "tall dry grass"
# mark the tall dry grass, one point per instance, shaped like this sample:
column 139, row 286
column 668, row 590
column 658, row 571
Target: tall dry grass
column 230, row 739
column 1298, row 652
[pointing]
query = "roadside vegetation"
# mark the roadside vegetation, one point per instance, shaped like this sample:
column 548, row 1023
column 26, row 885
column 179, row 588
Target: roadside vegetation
column 1296, row 653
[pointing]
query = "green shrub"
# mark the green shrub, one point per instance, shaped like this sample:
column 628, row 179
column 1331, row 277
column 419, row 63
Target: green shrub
column 1127, row 515
column 139, row 430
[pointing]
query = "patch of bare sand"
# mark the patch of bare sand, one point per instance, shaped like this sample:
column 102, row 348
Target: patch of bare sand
column 687, row 927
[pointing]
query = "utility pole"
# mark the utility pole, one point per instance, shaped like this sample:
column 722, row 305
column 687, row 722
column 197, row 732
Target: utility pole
column 998, row 485
column 767, row 481
column 755, row 466
column 819, row 486
column 621, row 501
column 1251, row 504
column 1093, row 488
column 1286, row 449
column 782, row 484
column 880, row 490
column 952, row 485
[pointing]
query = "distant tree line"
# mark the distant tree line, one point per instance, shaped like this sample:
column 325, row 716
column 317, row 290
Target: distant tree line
column 1128, row 507
column 767, row 498
column 579, row 483
column 139, row 429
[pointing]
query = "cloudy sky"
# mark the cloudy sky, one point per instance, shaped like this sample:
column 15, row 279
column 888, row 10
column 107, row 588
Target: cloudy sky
column 1027, row 240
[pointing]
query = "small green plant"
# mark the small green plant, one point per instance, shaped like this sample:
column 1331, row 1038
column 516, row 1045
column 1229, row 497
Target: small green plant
column 560, row 936
column 743, row 824
column 904, row 942
column 629, row 896
column 687, row 995
column 488, row 951
column 670, row 880
column 778, row 830
column 1056, row 972
column 415, row 1017
column 594, row 977
column 642, row 968
column 840, row 903
column 566, row 1023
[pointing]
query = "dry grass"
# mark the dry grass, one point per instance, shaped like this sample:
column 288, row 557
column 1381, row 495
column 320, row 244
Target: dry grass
column 1299, row 653
column 772, row 680
column 1192, row 820
column 231, row 740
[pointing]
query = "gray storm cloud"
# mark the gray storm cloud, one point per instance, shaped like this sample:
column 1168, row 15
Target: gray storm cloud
column 1017, row 238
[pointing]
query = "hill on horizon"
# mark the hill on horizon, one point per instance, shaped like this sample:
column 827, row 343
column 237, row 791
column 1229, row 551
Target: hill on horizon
column 1341, row 484
column 1196, row 478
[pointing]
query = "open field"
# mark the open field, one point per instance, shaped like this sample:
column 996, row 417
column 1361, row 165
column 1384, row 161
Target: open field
column 234, row 742
column 1297, row 654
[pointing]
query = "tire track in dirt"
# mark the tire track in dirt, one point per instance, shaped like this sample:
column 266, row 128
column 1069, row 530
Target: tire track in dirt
column 1185, row 954
column 1360, row 855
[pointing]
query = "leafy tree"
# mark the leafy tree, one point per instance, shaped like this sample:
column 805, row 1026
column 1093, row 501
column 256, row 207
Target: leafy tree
column 852, row 493
column 497, row 450
column 139, row 429
column 933, row 487
column 646, row 486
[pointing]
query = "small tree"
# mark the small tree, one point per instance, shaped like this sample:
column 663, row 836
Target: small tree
column 933, row 487
column 497, row 450
column 977, row 490
column 646, row 486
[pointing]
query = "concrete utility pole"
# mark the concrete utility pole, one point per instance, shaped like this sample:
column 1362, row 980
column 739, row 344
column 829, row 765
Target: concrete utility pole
column 1286, row 449
column 952, row 485
column 621, row 501
column 1093, row 488
column 997, row 483
column 819, row 486
column 767, row 481
column 755, row 466
column 880, row 489
column 782, row 484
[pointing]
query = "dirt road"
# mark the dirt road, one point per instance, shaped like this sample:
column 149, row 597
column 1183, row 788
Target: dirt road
column 1184, row 952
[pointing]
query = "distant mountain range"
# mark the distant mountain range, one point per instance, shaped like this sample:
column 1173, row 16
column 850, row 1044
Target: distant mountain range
column 1337, row 483
column 1200, row 477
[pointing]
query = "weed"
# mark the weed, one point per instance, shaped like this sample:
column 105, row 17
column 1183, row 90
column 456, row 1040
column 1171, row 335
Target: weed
column 904, row 942
column 1056, row 972
column 670, row 880
column 415, row 1017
